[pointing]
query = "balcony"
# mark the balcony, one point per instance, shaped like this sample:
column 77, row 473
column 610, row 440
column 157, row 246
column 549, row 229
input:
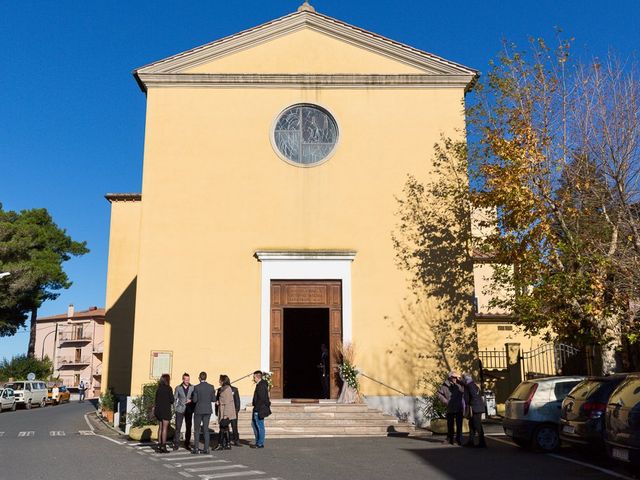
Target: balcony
column 73, row 337
column 73, row 362
column 98, row 349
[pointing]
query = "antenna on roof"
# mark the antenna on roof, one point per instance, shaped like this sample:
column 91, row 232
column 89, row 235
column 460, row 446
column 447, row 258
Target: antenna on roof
column 306, row 7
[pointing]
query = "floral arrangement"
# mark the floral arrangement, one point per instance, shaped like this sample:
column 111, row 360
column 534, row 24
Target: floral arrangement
column 266, row 376
column 346, row 367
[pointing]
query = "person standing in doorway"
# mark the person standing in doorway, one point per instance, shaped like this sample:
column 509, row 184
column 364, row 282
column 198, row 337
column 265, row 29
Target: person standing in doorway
column 162, row 410
column 261, row 408
column 324, row 370
column 184, row 411
column 450, row 394
column 475, row 406
column 203, row 397
column 82, row 388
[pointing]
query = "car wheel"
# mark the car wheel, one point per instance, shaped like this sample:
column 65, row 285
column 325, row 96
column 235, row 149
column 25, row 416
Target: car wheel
column 28, row 405
column 546, row 438
column 13, row 407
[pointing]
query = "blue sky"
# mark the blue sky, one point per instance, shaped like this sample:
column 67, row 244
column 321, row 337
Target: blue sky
column 72, row 117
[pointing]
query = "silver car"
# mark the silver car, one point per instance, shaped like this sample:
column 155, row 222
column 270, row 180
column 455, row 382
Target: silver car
column 7, row 399
column 532, row 412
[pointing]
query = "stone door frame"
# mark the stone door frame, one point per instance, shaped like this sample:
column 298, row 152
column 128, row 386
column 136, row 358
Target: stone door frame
column 302, row 265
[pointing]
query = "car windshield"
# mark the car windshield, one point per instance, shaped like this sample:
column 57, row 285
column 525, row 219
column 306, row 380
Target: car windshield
column 562, row 389
column 585, row 389
column 628, row 394
column 16, row 386
column 521, row 392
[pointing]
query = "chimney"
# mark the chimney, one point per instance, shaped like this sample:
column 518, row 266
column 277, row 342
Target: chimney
column 70, row 311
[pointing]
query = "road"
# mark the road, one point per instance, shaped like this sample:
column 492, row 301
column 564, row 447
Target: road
column 57, row 443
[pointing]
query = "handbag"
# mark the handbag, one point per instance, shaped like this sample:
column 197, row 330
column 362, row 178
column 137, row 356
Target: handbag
column 468, row 412
column 224, row 423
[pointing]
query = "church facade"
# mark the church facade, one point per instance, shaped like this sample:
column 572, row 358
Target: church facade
column 273, row 160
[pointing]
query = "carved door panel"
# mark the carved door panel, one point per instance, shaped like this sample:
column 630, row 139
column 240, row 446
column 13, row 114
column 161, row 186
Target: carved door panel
column 304, row 294
column 276, row 346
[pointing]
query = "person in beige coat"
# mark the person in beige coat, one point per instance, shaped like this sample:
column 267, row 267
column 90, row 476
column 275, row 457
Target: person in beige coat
column 226, row 412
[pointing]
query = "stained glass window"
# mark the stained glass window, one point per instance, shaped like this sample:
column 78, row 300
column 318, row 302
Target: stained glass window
column 305, row 134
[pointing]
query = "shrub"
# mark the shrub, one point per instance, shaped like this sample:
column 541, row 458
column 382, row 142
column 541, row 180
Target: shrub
column 142, row 412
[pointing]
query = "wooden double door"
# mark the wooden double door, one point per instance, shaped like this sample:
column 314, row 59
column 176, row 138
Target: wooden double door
column 304, row 314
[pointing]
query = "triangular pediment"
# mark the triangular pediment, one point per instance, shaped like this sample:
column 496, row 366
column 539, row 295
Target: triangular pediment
column 305, row 43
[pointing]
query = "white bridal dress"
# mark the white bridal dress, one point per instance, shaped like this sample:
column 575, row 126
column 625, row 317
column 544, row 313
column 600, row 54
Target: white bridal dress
column 348, row 394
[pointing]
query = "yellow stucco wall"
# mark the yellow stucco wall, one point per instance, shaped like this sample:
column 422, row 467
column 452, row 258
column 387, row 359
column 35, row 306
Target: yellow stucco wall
column 121, row 291
column 305, row 51
column 214, row 192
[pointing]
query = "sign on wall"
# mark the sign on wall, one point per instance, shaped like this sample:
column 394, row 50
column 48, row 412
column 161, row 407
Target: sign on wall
column 160, row 363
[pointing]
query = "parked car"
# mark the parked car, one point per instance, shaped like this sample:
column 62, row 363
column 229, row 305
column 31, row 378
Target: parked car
column 29, row 393
column 582, row 415
column 7, row 399
column 532, row 412
column 622, row 422
column 58, row 394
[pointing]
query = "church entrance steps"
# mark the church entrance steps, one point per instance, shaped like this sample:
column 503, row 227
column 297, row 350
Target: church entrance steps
column 325, row 419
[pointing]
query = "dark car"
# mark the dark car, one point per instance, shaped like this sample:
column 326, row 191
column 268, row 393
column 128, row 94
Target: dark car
column 622, row 421
column 582, row 414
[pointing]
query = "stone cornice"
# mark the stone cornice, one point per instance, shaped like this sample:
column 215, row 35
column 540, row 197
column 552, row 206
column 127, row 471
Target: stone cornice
column 304, row 80
column 123, row 197
column 432, row 65
column 265, row 255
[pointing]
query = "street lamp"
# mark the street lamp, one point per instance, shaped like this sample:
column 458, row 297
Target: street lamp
column 44, row 340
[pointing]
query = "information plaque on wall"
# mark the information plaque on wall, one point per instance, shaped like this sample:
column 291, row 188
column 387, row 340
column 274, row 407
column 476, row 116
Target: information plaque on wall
column 160, row 363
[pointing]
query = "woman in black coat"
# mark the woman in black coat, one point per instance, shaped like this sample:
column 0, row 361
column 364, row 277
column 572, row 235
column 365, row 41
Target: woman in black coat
column 162, row 410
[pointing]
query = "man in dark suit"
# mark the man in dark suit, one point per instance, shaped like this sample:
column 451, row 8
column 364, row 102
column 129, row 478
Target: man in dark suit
column 203, row 396
column 474, row 400
column 261, row 408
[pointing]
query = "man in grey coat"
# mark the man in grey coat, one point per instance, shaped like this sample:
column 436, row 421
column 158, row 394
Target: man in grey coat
column 184, row 411
column 450, row 394
column 204, row 395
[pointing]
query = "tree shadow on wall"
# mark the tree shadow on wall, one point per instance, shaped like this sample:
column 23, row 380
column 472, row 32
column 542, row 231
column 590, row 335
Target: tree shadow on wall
column 433, row 245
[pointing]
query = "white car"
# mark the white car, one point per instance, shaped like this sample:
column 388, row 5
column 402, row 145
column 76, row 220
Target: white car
column 7, row 399
column 29, row 393
column 532, row 411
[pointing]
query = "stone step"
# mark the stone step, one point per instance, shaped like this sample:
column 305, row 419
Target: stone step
column 313, row 423
column 316, row 408
column 321, row 431
column 320, row 415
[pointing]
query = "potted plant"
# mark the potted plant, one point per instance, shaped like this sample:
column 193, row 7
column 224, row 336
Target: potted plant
column 106, row 406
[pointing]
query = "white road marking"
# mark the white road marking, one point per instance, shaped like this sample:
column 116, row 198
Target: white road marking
column 183, row 458
column 86, row 432
column 566, row 459
column 190, row 464
column 110, row 439
column 86, row 419
column 223, row 467
column 27, row 434
column 1, row 434
column 57, row 433
column 588, row 465
column 185, row 474
column 231, row 474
